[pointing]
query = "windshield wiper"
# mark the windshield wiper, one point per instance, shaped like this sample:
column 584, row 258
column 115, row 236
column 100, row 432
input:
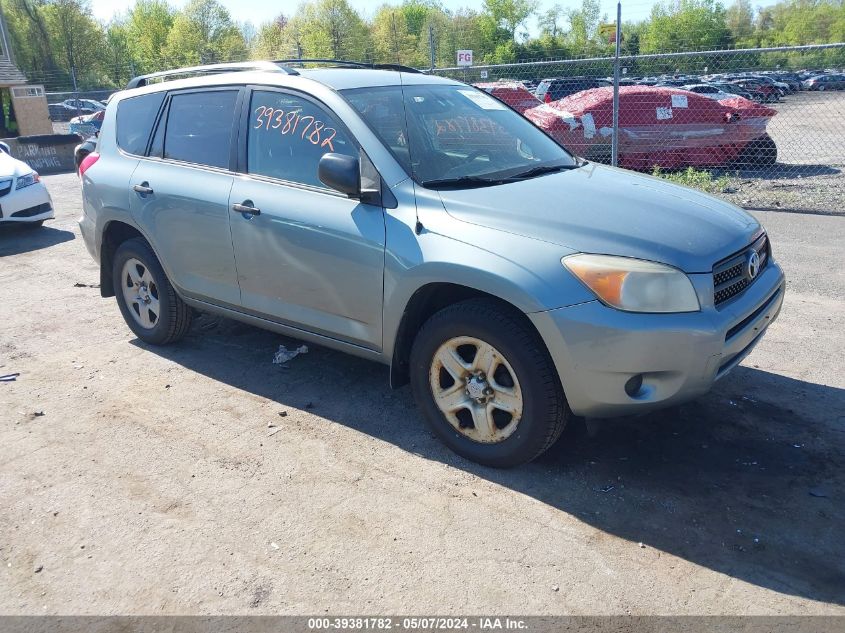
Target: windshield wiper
column 540, row 170
column 463, row 181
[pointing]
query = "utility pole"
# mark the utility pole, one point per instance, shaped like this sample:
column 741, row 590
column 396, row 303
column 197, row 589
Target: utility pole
column 395, row 39
column 431, row 45
column 614, row 147
column 75, row 88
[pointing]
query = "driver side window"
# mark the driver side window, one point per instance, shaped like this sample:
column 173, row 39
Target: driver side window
column 288, row 135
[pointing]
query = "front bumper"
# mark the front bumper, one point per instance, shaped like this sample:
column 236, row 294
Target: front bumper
column 597, row 349
column 30, row 204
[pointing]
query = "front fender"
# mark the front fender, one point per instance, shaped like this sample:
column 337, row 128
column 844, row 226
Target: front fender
column 521, row 271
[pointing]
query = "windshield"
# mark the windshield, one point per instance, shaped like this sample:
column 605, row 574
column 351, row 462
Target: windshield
column 456, row 134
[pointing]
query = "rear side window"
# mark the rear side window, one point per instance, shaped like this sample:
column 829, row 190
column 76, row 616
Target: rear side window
column 135, row 118
column 199, row 127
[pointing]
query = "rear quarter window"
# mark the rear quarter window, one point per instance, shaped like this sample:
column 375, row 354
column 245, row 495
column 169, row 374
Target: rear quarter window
column 135, row 119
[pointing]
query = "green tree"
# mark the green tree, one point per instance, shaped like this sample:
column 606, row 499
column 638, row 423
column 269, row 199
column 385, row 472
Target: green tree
column 269, row 40
column 740, row 22
column 510, row 15
column 147, row 29
column 30, row 37
column 688, row 26
column 75, row 36
column 117, row 59
column 391, row 36
column 204, row 33
column 551, row 21
column 584, row 23
column 332, row 28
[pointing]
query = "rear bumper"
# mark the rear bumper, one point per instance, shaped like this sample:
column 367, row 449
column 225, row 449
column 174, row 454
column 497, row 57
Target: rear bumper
column 597, row 349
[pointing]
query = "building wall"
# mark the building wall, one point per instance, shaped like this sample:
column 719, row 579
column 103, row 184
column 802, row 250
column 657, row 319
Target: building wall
column 31, row 111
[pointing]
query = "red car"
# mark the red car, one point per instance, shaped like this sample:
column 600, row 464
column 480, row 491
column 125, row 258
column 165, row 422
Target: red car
column 660, row 126
column 760, row 91
column 514, row 94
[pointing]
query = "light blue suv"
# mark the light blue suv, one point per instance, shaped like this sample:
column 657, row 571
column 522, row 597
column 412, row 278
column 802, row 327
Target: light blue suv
column 419, row 222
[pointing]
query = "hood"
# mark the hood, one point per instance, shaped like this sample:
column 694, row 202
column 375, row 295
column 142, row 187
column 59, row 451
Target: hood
column 598, row 209
column 12, row 167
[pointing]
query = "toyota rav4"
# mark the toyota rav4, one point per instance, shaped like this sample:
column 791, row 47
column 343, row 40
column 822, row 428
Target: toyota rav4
column 421, row 223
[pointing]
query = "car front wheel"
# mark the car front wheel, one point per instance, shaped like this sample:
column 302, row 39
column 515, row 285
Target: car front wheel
column 486, row 385
column 147, row 300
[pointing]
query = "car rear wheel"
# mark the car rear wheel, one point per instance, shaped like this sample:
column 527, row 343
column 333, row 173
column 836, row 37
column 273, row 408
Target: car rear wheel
column 486, row 385
column 147, row 300
column 761, row 152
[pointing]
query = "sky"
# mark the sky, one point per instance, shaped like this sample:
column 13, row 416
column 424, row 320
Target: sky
column 258, row 11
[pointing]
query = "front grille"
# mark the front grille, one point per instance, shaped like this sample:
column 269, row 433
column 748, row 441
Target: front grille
column 5, row 186
column 731, row 275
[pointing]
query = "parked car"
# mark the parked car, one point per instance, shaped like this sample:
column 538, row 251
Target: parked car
column 734, row 90
column 61, row 112
column 825, row 82
column 665, row 127
column 82, row 150
column 513, row 94
column 710, row 91
column 24, row 199
column 791, row 79
column 416, row 221
column 782, row 87
column 762, row 92
column 87, row 124
column 84, row 104
column 549, row 90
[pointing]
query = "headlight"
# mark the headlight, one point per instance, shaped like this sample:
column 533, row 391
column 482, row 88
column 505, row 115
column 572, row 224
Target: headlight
column 25, row 181
column 634, row 285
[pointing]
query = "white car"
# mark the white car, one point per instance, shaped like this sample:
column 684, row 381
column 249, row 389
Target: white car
column 711, row 92
column 23, row 197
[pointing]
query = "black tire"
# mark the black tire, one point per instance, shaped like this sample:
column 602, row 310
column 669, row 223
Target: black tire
column 175, row 316
column 761, row 152
column 544, row 412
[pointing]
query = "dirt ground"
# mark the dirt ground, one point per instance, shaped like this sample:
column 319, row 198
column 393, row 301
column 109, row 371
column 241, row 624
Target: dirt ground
column 140, row 480
column 810, row 139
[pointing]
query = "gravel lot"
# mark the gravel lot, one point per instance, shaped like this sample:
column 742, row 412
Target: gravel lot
column 139, row 480
column 810, row 136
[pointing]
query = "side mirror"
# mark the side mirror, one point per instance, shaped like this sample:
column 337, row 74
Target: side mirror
column 340, row 172
column 5, row 148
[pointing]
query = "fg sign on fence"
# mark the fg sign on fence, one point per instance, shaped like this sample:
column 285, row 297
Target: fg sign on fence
column 464, row 58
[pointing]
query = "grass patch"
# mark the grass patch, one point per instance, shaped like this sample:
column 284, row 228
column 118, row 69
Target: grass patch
column 696, row 178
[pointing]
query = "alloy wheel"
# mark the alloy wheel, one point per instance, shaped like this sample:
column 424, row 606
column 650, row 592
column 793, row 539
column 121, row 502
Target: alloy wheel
column 141, row 293
column 476, row 389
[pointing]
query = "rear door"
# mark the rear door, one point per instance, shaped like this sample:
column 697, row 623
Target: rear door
column 310, row 257
column 180, row 193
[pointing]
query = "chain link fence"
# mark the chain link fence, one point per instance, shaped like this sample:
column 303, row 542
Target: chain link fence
column 762, row 127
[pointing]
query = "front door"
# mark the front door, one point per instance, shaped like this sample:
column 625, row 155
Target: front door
column 310, row 257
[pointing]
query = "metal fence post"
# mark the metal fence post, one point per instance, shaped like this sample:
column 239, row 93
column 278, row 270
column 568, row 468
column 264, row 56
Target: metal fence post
column 431, row 45
column 75, row 88
column 614, row 148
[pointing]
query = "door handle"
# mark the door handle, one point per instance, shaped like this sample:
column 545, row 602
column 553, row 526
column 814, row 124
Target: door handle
column 144, row 188
column 246, row 208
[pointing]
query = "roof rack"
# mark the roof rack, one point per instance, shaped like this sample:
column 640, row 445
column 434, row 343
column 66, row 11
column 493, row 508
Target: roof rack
column 211, row 69
column 345, row 62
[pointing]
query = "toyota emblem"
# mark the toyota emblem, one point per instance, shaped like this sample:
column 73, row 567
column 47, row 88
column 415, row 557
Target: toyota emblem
column 752, row 267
